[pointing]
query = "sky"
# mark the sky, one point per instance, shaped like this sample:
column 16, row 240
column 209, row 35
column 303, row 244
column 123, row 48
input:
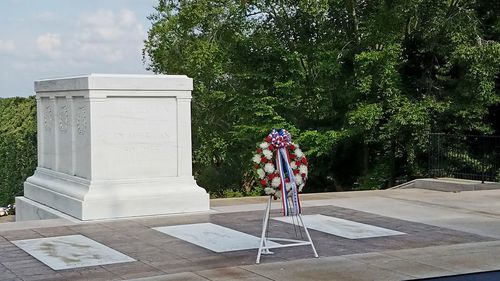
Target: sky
column 56, row 38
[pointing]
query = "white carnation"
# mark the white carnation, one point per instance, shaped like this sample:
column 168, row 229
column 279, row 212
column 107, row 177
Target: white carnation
column 269, row 168
column 276, row 182
column 269, row 190
column 301, row 186
column 267, row 153
column 256, row 159
column 288, row 186
column 299, row 152
column 303, row 169
column 298, row 180
column 264, row 145
column 293, row 165
column 261, row 173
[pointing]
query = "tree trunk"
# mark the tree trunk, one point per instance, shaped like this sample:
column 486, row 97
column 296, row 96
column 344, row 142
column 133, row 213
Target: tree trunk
column 366, row 159
column 392, row 156
column 354, row 20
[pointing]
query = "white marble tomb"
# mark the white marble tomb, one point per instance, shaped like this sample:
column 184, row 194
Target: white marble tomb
column 113, row 146
column 341, row 227
column 213, row 237
column 72, row 251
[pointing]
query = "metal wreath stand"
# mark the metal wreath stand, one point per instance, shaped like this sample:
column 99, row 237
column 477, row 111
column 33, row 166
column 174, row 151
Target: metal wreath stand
column 264, row 247
column 279, row 140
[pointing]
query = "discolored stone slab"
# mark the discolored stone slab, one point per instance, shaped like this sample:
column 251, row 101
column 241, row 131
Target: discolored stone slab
column 213, row 237
column 64, row 252
column 341, row 227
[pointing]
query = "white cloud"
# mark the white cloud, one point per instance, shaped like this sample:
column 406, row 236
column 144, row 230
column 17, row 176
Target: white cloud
column 127, row 18
column 101, row 36
column 108, row 35
column 46, row 16
column 39, row 40
column 49, row 44
column 7, row 46
column 98, row 26
column 105, row 25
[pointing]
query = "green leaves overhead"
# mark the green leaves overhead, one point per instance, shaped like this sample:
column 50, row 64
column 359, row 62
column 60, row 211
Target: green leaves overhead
column 18, row 156
column 358, row 83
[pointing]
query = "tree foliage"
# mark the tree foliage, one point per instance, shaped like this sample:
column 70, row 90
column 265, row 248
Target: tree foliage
column 358, row 83
column 18, row 155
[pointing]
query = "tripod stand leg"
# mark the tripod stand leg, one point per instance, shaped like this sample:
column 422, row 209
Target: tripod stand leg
column 308, row 236
column 263, row 242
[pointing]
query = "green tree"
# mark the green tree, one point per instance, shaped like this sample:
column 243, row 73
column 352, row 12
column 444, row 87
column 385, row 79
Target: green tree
column 358, row 83
column 18, row 155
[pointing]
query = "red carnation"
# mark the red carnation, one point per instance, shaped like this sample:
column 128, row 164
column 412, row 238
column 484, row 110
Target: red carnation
column 268, row 139
column 256, row 167
column 292, row 147
column 263, row 159
column 303, row 176
column 304, row 160
column 292, row 156
column 287, row 180
column 271, row 147
column 263, row 182
column 259, row 150
column 297, row 163
column 296, row 172
column 271, row 176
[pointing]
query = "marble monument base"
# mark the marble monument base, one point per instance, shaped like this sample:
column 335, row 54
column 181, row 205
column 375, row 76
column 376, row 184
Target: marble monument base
column 113, row 146
column 93, row 200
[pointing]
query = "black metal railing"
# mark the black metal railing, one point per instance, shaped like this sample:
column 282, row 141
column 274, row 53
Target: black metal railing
column 464, row 156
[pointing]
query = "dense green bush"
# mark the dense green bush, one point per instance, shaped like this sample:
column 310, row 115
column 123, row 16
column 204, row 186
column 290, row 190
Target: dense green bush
column 18, row 143
column 359, row 84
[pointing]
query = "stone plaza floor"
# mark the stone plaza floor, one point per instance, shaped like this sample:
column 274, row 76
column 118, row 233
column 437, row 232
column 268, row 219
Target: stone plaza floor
column 398, row 234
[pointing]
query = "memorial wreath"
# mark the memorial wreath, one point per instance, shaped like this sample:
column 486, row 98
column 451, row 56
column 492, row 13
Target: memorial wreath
column 278, row 163
column 9, row 210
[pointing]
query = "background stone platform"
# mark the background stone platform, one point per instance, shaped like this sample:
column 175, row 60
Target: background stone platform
column 7, row 219
column 446, row 233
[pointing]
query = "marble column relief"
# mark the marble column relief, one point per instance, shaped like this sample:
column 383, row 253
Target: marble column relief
column 81, row 142
column 64, row 137
column 48, row 136
column 82, row 120
column 48, row 116
column 64, row 118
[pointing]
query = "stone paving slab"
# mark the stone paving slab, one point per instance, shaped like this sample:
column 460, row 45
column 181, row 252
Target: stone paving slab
column 213, row 237
column 404, row 266
column 417, row 254
column 341, row 227
column 71, row 251
column 327, row 269
column 159, row 254
column 7, row 219
column 386, row 265
column 184, row 276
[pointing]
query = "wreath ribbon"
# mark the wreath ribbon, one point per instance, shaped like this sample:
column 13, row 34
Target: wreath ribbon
column 283, row 165
column 281, row 140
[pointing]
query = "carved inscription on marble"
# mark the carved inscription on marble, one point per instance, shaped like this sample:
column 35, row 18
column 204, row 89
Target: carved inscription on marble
column 63, row 118
column 82, row 120
column 48, row 117
column 152, row 141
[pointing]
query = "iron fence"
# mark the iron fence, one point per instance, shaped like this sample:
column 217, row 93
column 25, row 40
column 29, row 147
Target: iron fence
column 475, row 157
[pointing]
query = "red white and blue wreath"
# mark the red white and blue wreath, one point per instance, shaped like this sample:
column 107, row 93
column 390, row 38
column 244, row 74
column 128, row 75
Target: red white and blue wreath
column 279, row 162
